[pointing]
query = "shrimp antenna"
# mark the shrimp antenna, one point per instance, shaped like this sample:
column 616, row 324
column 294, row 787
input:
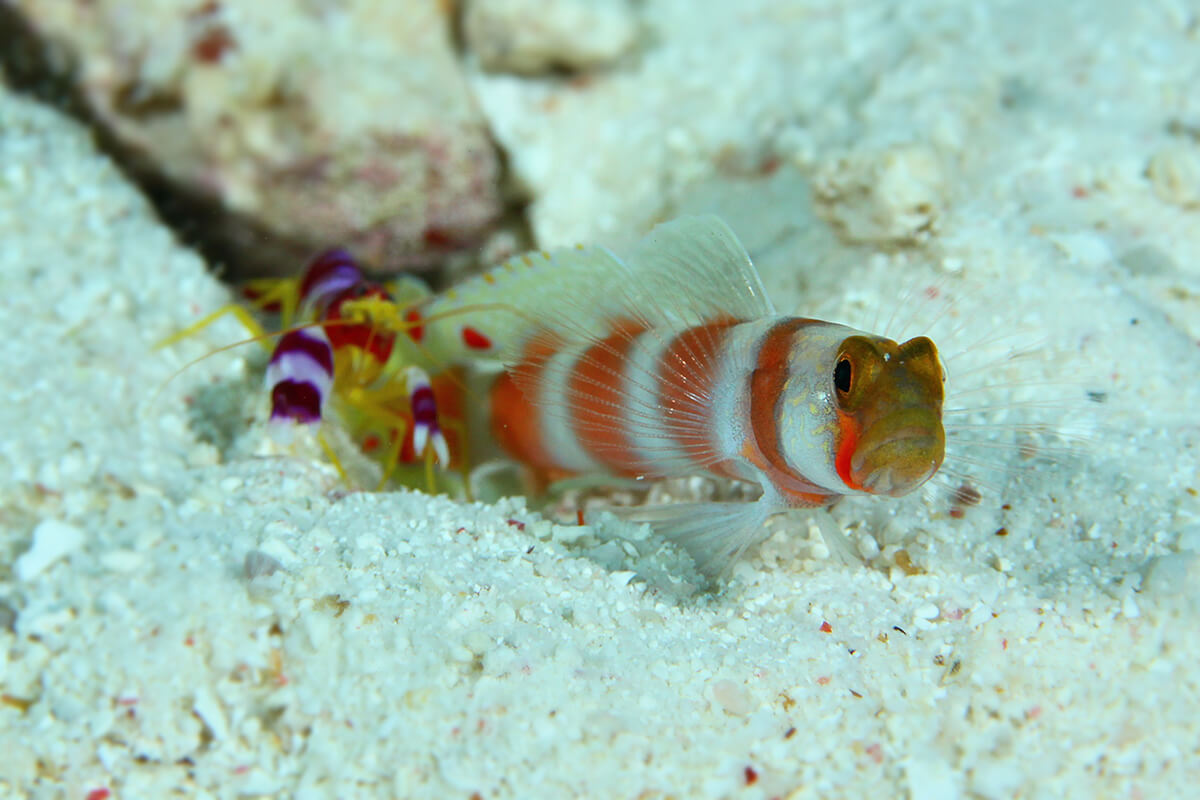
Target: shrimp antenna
column 247, row 321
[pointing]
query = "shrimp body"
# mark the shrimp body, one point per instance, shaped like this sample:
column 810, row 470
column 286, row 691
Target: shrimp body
column 370, row 371
column 674, row 362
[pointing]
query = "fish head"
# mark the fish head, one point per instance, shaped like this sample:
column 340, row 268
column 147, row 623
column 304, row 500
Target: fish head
column 888, row 400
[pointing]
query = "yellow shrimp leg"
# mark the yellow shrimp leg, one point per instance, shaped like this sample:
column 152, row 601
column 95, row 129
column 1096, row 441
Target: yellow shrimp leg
column 257, row 333
column 333, row 458
column 268, row 291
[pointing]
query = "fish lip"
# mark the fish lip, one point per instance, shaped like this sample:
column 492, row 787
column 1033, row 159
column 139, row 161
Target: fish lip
column 881, row 480
column 872, row 482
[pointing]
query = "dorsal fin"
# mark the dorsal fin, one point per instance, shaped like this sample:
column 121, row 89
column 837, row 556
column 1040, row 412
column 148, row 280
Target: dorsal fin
column 698, row 268
column 683, row 273
column 492, row 313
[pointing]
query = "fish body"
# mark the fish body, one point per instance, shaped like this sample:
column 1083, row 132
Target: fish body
column 751, row 400
column 674, row 362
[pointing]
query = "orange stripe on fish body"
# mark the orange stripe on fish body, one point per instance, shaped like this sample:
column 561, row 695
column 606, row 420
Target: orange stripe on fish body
column 688, row 370
column 768, row 385
column 595, row 393
column 675, row 363
column 514, row 424
column 515, row 408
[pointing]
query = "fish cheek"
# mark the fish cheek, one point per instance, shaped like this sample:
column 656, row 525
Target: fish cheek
column 849, row 432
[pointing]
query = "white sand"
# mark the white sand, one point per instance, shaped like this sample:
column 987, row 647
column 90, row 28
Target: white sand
column 415, row 647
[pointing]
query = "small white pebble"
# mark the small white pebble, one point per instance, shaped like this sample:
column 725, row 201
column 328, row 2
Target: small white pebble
column 1129, row 608
column 979, row 615
column 52, row 540
column 1189, row 540
column 1174, row 174
column 478, row 642
column 255, row 783
column 1171, row 575
column 278, row 550
column 926, row 611
column 260, row 565
column 621, row 578
column 504, row 614
column 208, row 708
column 567, row 534
column 122, row 560
column 930, row 778
column 119, row 303
column 868, row 548
column 461, row 654
column 1083, row 248
column 368, row 541
column 731, row 697
column 678, row 140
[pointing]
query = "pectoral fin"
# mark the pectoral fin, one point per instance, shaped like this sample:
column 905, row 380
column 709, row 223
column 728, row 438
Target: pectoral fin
column 714, row 534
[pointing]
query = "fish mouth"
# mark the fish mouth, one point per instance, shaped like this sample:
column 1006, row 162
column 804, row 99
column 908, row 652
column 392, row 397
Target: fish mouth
column 896, row 484
column 898, row 462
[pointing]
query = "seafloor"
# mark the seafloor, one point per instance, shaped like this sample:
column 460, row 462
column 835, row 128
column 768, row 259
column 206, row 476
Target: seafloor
column 1037, row 164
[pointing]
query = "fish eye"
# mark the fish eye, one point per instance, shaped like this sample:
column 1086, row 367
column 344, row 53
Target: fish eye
column 841, row 375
